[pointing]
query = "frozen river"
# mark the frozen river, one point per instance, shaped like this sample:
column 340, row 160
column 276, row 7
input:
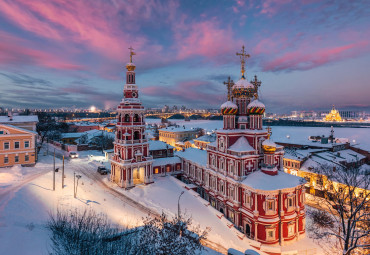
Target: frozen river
column 360, row 136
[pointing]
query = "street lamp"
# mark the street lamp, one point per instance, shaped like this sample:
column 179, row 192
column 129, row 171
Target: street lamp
column 178, row 204
column 75, row 185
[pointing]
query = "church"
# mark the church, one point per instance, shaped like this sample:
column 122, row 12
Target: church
column 241, row 173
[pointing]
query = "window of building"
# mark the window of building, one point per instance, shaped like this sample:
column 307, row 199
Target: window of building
column 247, row 199
column 6, row 146
column 26, row 158
column 127, row 118
column 270, row 205
column 340, row 189
column 26, row 144
column 16, row 159
column 6, row 160
column 291, row 230
column 270, row 234
column 16, row 145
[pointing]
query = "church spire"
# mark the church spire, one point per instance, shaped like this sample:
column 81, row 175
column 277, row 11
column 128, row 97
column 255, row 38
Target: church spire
column 243, row 56
column 131, row 66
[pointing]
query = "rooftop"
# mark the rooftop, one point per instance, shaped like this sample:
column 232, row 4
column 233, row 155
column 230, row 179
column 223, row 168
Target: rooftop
column 195, row 155
column 262, row 181
column 19, row 118
column 158, row 145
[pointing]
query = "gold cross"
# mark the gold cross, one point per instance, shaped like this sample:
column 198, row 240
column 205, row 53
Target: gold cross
column 229, row 83
column 243, row 56
column 256, row 84
column 269, row 132
column 131, row 53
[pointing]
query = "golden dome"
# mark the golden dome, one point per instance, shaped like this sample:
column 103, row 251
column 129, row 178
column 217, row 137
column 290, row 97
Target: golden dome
column 130, row 66
column 269, row 146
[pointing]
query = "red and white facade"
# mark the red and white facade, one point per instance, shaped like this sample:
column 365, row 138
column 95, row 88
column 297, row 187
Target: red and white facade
column 131, row 163
column 243, row 175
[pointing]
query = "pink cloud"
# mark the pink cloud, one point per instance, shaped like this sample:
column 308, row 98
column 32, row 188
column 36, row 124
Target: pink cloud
column 13, row 52
column 204, row 38
column 305, row 58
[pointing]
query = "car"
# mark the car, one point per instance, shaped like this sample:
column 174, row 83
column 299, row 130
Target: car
column 73, row 154
column 102, row 170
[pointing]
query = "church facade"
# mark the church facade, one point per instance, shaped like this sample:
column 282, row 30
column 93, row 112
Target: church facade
column 243, row 176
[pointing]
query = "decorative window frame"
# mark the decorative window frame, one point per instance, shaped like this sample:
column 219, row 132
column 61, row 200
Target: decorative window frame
column 231, row 167
column 248, row 199
column 270, row 229
column 290, row 197
column 291, row 228
column 273, row 200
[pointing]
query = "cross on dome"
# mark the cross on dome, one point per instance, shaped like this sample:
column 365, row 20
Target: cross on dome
column 269, row 132
column 243, row 56
column 229, row 83
column 131, row 53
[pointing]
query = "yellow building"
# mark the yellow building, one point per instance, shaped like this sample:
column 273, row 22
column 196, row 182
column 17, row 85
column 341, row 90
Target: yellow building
column 333, row 115
column 178, row 136
column 17, row 146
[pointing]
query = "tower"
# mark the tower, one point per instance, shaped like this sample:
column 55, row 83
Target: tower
column 131, row 163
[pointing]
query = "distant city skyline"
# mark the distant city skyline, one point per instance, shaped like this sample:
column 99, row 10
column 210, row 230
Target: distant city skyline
column 308, row 54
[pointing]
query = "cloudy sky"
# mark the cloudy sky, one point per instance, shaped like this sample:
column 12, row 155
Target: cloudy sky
column 308, row 54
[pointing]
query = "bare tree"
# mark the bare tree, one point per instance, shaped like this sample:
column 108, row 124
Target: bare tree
column 86, row 232
column 344, row 222
column 84, row 139
column 170, row 237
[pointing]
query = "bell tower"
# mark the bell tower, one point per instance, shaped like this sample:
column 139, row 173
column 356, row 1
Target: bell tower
column 131, row 163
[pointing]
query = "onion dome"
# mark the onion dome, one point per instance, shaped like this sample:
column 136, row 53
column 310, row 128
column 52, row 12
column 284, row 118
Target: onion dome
column 243, row 88
column 256, row 107
column 229, row 108
column 269, row 146
column 130, row 66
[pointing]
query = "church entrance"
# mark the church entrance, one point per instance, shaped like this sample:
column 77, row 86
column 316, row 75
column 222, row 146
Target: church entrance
column 138, row 175
column 247, row 230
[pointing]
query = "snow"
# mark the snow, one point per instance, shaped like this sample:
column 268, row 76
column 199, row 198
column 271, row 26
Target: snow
column 243, row 83
column 178, row 129
column 19, row 118
column 19, row 128
column 194, row 155
column 241, row 145
column 165, row 161
column 229, row 104
column 261, row 181
column 158, row 145
column 268, row 142
column 255, row 103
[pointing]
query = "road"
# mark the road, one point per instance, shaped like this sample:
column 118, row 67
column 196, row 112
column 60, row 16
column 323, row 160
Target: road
column 92, row 174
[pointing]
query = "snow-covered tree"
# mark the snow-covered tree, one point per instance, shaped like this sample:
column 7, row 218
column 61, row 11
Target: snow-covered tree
column 170, row 236
column 343, row 224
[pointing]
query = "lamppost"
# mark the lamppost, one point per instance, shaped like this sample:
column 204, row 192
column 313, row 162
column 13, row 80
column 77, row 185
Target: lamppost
column 75, row 185
column 178, row 204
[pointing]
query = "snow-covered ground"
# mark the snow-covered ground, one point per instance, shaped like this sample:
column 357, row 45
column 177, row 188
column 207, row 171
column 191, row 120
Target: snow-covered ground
column 359, row 136
column 27, row 198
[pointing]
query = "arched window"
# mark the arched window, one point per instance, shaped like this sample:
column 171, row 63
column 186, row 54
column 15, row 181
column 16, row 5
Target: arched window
column 119, row 135
column 127, row 118
column 136, row 135
column 119, row 118
column 136, row 118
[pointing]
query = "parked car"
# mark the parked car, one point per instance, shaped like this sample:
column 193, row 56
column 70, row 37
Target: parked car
column 73, row 154
column 102, row 170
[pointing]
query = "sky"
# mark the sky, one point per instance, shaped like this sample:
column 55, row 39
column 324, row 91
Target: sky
column 309, row 54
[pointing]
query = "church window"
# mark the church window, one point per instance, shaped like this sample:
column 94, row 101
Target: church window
column 136, row 118
column 291, row 230
column 136, row 135
column 270, row 234
column 127, row 118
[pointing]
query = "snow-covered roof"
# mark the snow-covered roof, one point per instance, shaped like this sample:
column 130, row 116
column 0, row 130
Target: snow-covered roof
column 19, row 118
column 19, row 128
column 207, row 138
column 255, row 103
column 262, row 181
column 241, row 145
column 72, row 135
column 166, row 161
column 179, row 129
column 229, row 104
column 195, row 155
column 243, row 83
column 158, row 145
